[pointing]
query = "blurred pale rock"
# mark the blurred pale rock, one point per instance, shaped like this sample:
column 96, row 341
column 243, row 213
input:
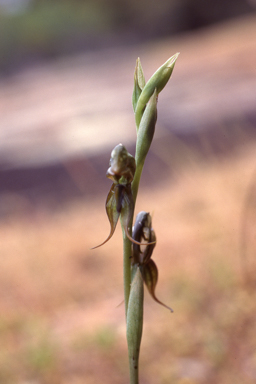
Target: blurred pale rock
column 82, row 106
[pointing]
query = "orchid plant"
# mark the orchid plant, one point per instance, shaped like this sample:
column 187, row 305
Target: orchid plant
column 139, row 240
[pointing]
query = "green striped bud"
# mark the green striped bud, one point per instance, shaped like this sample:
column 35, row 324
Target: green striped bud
column 158, row 81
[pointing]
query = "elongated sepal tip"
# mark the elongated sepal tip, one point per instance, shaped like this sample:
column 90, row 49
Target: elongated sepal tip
column 150, row 276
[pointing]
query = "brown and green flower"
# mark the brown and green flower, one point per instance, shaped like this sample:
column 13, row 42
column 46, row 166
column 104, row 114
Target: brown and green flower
column 120, row 199
column 143, row 231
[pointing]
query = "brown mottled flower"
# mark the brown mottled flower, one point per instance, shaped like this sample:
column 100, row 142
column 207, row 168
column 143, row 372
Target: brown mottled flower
column 120, row 200
column 142, row 230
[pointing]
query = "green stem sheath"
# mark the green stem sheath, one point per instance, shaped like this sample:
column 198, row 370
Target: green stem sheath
column 135, row 323
column 133, row 295
column 127, row 253
column 136, row 181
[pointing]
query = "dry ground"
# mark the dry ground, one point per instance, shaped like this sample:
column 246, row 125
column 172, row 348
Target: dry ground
column 60, row 320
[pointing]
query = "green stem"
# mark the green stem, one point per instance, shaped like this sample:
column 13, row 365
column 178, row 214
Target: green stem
column 127, row 251
column 136, row 180
column 134, row 373
column 133, row 295
column 135, row 323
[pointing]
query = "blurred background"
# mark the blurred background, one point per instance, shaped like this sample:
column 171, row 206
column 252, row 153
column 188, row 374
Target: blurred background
column 66, row 80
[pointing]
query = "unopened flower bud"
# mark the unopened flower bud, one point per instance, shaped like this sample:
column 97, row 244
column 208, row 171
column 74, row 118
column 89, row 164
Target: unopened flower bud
column 146, row 129
column 158, row 81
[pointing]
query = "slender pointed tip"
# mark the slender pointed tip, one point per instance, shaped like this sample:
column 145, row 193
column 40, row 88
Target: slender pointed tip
column 164, row 305
column 104, row 242
column 134, row 241
column 97, row 246
column 171, row 61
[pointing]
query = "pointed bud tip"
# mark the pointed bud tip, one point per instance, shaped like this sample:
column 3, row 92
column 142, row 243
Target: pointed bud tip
column 172, row 59
column 138, row 64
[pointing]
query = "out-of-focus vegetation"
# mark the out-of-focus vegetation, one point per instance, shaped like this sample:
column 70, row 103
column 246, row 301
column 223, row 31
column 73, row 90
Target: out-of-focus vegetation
column 47, row 29
column 36, row 29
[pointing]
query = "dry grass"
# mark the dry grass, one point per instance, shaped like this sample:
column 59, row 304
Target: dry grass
column 60, row 320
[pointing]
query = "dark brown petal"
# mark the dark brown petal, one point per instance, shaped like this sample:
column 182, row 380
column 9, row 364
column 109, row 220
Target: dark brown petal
column 111, row 208
column 150, row 276
column 147, row 253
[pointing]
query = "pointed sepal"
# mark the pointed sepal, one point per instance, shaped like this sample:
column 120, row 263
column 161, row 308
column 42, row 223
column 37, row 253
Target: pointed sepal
column 113, row 209
column 150, row 276
column 120, row 201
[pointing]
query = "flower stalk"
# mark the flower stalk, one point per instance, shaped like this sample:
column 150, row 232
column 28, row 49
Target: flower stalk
column 139, row 243
column 135, row 323
column 144, row 101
